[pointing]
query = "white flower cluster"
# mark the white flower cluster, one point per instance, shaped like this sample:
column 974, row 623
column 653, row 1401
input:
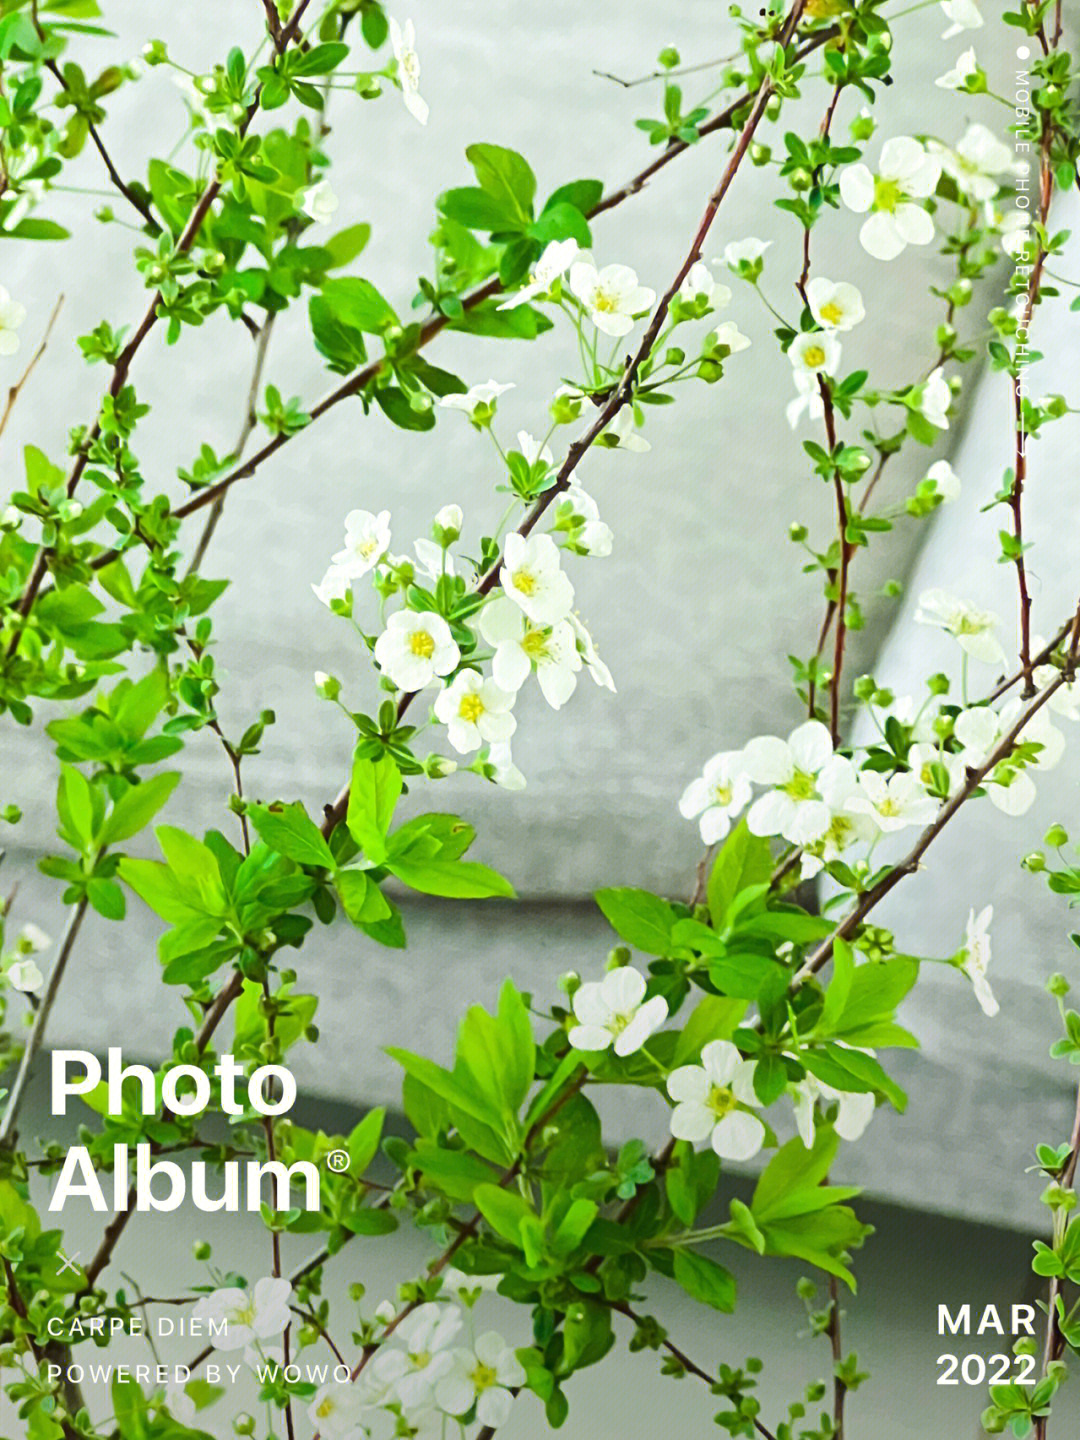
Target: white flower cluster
column 19, row 968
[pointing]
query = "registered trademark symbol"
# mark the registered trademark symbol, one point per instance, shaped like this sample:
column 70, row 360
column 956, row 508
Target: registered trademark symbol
column 338, row 1160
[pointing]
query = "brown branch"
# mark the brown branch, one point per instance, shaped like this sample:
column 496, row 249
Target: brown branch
column 15, row 390
column 836, row 1345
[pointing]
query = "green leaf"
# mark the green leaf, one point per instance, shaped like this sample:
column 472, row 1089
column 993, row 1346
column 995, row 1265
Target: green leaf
column 584, row 195
column 357, row 304
column 642, row 920
column 447, row 1085
column 346, row 245
column 690, row 1181
column 505, row 175
column 497, row 1052
column 455, row 1172
column 454, row 879
column 138, row 806
column 155, row 884
column 290, row 831
column 478, row 210
column 714, row 1018
column 846, row 1069
column 705, row 1280
column 362, row 899
column 877, row 988
column 792, row 1170
column 319, row 60
column 373, row 795
column 395, row 405
column 836, row 996
column 363, row 1143
column 504, row 1210
column 744, row 860
column 342, row 345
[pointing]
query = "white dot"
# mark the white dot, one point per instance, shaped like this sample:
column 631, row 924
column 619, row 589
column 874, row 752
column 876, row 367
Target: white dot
column 1022, row 52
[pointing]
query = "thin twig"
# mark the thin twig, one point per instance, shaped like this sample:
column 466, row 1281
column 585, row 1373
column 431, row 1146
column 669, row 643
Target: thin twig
column 16, row 389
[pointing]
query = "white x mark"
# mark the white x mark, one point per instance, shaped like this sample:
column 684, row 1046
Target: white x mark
column 69, row 1264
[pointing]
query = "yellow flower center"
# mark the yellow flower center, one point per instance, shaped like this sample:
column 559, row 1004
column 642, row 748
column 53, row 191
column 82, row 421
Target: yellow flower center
column 246, row 1316
column 421, row 1359
column 887, row 194
column 484, row 1377
column 605, row 303
column 888, row 807
column 525, row 581
column 721, row 794
column 832, row 312
column 814, row 355
column 800, row 786
column 471, row 708
column 421, row 644
column 969, row 625
column 721, row 1100
column 840, row 831
column 367, row 547
column 534, row 643
column 325, row 1408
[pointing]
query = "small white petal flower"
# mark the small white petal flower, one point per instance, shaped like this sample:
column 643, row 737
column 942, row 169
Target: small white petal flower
column 521, row 646
column 486, row 1375
column 32, row 939
column 433, row 560
column 815, row 352
column 404, row 43
column 808, row 402
column 907, row 174
column 893, row 803
column 946, row 481
column 450, row 518
column 614, row 1012
column 612, row 296
column 12, row 315
column 426, row 1336
column 335, row 1412
column 590, row 533
column 475, row 710
column 729, row 334
column 623, row 430
column 855, row 1109
column 367, row 539
column 590, row 655
column 717, row 796
column 933, row 399
column 749, row 251
column 415, row 648
column 973, row 629
column 977, row 958
column 478, row 402
column 978, row 162
column 248, row 1315
column 834, row 304
column 507, row 775
column 962, row 15
column 712, row 1100
column 923, row 757
column 336, row 584
column 531, row 576
column 965, row 69
column 24, row 975
column 534, row 450
column 320, row 202
column 552, row 265
column 795, row 807
column 701, row 289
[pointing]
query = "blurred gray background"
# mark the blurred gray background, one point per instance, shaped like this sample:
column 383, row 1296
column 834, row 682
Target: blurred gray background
column 695, row 610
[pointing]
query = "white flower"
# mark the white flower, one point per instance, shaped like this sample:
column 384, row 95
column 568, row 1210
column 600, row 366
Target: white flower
column 32, row 939
column 450, row 517
column 962, row 15
column 729, row 334
column 838, row 784
column 12, row 315
column 854, row 1113
column 521, row 646
column 795, row 807
column 534, row 449
column 336, row 584
column 966, row 68
column 907, row 173
column 973, row 629
column 978, row 161
column 717, row 796
column 590, row 655
column 612, row 296
column 404, row 43
column 475, row 710
column 552, row 265
column 24, row 975
column 978, row 731
column 1016, row 233
column 433, row 560
column 413, row 1372
column 335, row 1412
column 1040, row 730
column 834, row 304
column 507, row 774
column 895, row 803
column 367, row 539
column 591, row 533
column 180, row 1404
column 815, row 352
column 923, row 757
column 933, row 400
column 1065, row 700
column 946, row 481
column 487, row 1374
column 808, row 402
column 700, row 286
column 415, row 647
column 623, row 431
column 611, row 1010
column 709, row 1098
column 977, row 958
column 320, row 202
column 248, row 1316
column 531, row 577
column 749, row 252
column 478, row 402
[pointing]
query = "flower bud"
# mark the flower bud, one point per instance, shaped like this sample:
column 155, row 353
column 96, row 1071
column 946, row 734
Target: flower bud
column 155, row 52
column 797, row 533
column 438, row 767
column 569, row 982
column 1058, row 1197
column 618, row 957
column 328, row 686
column 202, row 1250
column 1056, row 837
column 1058, row 985
column 1035, row 862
